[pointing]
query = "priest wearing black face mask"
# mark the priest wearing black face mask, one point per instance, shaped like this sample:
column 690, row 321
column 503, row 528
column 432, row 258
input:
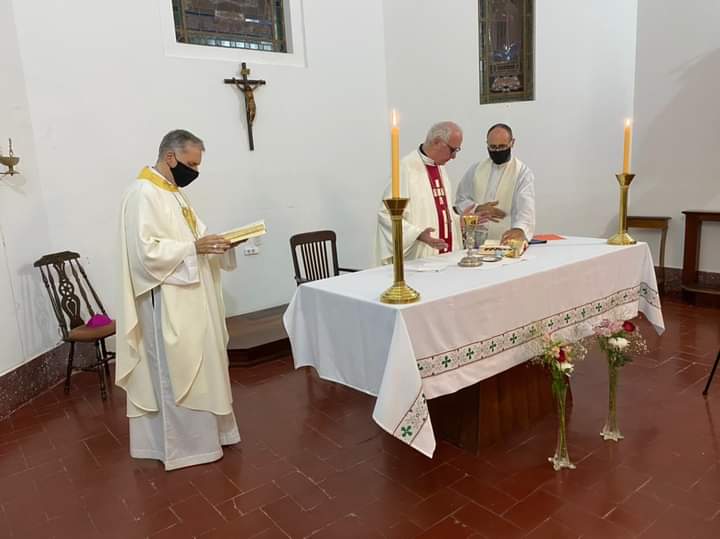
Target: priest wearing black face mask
column 172, row 338
column 500, row 187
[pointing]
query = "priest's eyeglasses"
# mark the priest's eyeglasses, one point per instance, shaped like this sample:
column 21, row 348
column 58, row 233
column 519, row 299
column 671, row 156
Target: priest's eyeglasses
column 452, row 149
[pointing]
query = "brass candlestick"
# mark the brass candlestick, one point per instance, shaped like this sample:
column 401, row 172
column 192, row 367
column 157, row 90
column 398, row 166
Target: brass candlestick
column 399, row 292
column 622, row 237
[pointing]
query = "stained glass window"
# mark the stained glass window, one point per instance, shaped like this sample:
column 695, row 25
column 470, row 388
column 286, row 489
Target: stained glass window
column 239, row 24
column 507, row 67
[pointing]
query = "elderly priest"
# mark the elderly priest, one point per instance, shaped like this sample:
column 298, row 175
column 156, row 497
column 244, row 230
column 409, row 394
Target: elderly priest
column 171, row 345
column 429, row 224
column 501, row 186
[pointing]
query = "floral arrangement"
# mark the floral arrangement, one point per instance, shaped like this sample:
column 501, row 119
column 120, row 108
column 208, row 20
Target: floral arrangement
column 620, row 341
column 560, row 358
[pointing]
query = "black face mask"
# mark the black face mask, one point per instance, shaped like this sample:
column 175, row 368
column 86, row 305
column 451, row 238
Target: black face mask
column 183, row 174
column 500, row 156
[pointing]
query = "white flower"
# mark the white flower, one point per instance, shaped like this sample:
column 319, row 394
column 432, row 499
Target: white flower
column 566, row 367
column 618, row 343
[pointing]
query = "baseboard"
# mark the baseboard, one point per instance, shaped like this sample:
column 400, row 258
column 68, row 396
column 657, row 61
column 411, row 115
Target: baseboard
column 36, row 376
column 673, row 287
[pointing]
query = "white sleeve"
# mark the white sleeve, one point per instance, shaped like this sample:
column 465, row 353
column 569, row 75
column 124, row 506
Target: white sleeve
column 185, row 273
column 523, row 206
column 228, row 260
column 464, row 197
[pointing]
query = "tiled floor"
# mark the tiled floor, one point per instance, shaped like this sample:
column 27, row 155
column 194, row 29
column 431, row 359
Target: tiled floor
column 312, row 462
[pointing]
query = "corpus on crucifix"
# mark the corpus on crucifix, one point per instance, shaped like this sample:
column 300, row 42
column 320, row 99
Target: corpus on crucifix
column 247, row 87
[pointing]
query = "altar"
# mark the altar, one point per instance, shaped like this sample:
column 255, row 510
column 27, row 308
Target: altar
column 470, row 325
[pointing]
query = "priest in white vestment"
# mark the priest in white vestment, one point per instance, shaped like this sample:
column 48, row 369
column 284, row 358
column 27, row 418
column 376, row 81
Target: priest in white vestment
column 429, row 224
column 501, row 186
column 171, row 341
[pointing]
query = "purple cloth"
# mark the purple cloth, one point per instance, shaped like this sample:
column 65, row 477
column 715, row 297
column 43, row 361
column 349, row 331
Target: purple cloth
column 98, row 320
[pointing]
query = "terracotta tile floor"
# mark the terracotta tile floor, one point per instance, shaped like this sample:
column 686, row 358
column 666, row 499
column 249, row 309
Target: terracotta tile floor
column 312, row 462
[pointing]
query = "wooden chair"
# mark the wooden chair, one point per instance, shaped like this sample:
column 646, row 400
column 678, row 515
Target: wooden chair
column 712, row 373
column 68, row 308
column 318, row 251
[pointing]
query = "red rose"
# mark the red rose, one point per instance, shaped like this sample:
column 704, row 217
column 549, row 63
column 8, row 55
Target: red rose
column 562, row 358
column 628, row 326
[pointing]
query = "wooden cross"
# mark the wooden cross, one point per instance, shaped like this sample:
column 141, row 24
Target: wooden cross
column 247, row 87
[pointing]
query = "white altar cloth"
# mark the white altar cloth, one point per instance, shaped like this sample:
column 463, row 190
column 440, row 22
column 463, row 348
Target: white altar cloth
column 470, row 324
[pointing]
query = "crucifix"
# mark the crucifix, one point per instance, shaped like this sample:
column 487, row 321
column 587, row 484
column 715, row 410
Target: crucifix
column 247, row 87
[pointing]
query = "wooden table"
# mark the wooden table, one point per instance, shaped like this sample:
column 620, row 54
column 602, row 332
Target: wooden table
column 693, row 290
column 489, row 411
column 656, row 223
column 476, row 327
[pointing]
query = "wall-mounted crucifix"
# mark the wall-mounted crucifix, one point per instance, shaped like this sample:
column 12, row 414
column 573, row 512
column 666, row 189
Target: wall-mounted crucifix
column 247, row 87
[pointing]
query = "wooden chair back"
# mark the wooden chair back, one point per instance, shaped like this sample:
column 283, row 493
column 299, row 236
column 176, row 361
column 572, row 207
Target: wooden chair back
column 64, row 277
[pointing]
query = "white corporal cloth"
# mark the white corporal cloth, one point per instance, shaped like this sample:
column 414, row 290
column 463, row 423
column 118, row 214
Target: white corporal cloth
column 470, row 324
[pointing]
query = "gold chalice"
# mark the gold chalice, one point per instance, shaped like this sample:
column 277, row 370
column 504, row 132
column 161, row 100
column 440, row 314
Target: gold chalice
column 472, row 259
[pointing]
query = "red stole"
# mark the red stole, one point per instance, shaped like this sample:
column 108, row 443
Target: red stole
column 444, row 220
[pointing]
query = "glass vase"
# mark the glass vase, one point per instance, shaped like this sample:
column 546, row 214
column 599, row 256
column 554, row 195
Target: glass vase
column 610, row 430
column 561, row 459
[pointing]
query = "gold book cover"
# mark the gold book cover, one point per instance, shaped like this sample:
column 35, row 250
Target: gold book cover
column 245, row 232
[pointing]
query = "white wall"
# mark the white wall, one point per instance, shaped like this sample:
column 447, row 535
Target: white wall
column 103, row 92
column 570, row 136
column 678, row 118
column 27, row 327
column 92, row 91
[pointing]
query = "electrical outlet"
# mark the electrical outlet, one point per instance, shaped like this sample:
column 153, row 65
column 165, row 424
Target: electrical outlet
column 250, row 248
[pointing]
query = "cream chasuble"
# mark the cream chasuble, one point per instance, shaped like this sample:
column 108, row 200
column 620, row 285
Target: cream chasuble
column 158, row 255
column 421, row 211
column 504, row 193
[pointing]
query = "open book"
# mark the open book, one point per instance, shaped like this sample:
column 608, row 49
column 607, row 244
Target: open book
column 245, row 232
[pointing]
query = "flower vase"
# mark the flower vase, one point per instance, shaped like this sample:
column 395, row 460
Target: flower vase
column 610, row 430
column 561, row 459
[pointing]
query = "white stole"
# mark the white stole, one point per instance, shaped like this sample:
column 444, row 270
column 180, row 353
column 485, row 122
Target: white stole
column 504, row 194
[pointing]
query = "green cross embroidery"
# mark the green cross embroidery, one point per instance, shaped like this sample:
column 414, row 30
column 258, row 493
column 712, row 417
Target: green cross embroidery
column 446, row 361
column 567, row 318
column 583, row 312
column 551, row 324
column 533, row 330
column 514, row 338
column 406, row 431
column 598, row 307
column 470, row 353
column 493, row 346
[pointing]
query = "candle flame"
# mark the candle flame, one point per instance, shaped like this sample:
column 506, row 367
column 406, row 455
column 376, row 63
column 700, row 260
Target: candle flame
column 628, row 121
column 394, row 118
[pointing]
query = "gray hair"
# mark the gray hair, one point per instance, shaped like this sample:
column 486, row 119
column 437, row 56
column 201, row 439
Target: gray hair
column 177, row 141
column 442, row 131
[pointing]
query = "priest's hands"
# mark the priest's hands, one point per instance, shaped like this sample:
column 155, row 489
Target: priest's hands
column 435, row 243
column 212, row 244
column 489, row 212
column 513, row 234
